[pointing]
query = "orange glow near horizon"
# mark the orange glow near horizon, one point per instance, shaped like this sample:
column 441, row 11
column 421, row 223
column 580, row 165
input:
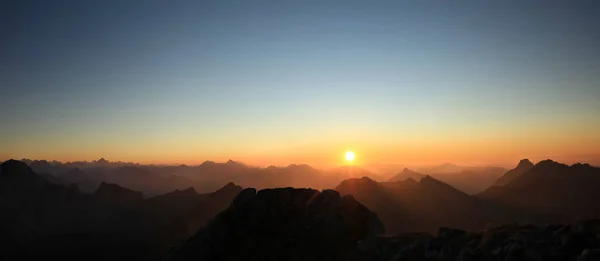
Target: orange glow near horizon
column 474, row 151
column 409, row 146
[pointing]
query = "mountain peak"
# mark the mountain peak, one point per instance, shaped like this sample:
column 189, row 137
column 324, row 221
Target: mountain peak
column 230, row 186
column 367, row 179
column 581, row 165
column 549, row 164
column 14, row 167
column 525, row 163
column 405, row 174
column 319, row 218
column 207, row 163
column 363, row 183
column 524, row 166
column 189, row 190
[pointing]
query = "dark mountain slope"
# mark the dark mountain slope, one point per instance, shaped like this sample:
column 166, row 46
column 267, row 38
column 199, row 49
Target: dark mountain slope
column 553, row 188
column 523, row 166
column 117, row 196
column 406, row 174
column 44, row 220
column 510, row 242
column 411, row 206
column 283, row 224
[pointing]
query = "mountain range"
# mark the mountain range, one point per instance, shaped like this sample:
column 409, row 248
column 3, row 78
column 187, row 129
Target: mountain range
column 45, row 220
column 549, row 187
column 43, row 215
column 154, row 180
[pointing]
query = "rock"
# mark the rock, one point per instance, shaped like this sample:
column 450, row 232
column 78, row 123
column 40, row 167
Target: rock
column 115, row 195
column 283, row 224
column 445, row 232
column 15, row 169
column 589, row 255
column 243, row 197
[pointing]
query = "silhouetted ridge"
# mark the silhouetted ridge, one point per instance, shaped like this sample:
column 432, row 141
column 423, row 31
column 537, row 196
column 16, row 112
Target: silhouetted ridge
column 468, row 179
column 410, row 181
column 524, row 163
column 431, row 183
column 42, row 220
column 283, row 224
column 549, row 164
column 109, row 188
column 102, row 161
column 364, row 183
column 405, row 174
column 244, row 196
column 113, row 194
column 428, row 180
column 231, row 162
column 231, row 186
column 186, row 192
column 523, row 166
column 207, row 163
column 13, row 168
column 424, row 206
column 581, row 165
column 567, row 192
column 303, row 167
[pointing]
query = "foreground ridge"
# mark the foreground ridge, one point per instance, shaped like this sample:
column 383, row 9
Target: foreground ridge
column 304, row 224
column 510, row 242
column 283, row 224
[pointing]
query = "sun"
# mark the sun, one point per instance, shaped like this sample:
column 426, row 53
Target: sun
column 349, row 156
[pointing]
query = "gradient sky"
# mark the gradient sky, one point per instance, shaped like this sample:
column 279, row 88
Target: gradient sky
column 278, row 82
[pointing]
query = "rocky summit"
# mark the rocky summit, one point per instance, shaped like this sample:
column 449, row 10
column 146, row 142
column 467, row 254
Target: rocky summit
column 579, row 242
column 283, row 224
column 304, row 224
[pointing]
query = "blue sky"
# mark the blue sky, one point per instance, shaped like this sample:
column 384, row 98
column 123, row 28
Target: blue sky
column 186, row 81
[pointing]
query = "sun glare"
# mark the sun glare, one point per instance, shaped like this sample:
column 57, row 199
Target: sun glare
column 349, row 156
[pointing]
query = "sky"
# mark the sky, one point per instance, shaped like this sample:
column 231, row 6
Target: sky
column 279, row 82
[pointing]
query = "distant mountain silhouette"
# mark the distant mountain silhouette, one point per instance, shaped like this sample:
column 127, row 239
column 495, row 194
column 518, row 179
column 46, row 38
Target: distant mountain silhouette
column 283, row 224
column 41, row 219
column 523, row 166
column 208, row 176
column 443, row 168
column 45, row 219
column 553, row 188
column 76, row 176
column 189, row 209
column 426, row 205
column 471, row 180
column 405, row 205
column 88, row 176
column 406, row 174
column 115, row 195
